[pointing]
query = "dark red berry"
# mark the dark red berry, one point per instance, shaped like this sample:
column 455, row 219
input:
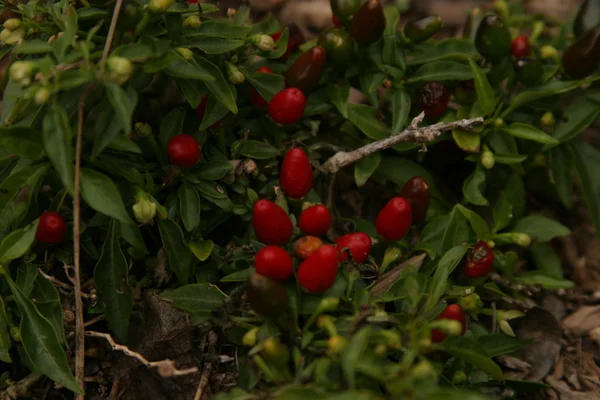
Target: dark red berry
column 306, row 246
column 295, row 177
column 257, row 100
column 318, row 272
column 433, row 99
column 453, row 311
column 394, row 220
column 520, row 47
column 274, row 262
column 480, row 260
column 51, row 228
column 416, row 191
column 201, row 110
column 192, row 1
column 336, row 21
column 358, row 243
column 315, row 220
column 183, row 150
column 306, row 71
column 287, row 106
column 271, row 223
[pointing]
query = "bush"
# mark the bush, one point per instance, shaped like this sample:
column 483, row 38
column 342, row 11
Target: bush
column 146, row 146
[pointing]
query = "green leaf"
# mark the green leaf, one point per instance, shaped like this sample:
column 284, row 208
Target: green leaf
column 473, row 186
column 202, row 249
column 529, row 132
column 280, row 46
column 101, row 193
column 5, row 344
column 442, row 71
column 363, row 117
column 502, row 211
column 498, row 344
column 544, row 279
column 215, row 111
column 454, row 394
column 400, row 170
column 530, row 95
column 481, row 228
column 222, row 29
column 400, row 110
column 432, row 236
column 214, row 45
column 58, row 139
column 193, row 91
column 456, row 231
column 485, row 93
column 122, row 102
column 240, row 276
column 189, row 204
column 353, row 353
column 178, row 253
column 267, row 85
column 110, row 277
column 587, row 165
column 468, row 141
column 370, row 82
column 473, row 353
column 16, row 192
column 365, row 167
column 24, row 142
column 579, row 115
column 338, row 93
column 171, row 125
column 439, row 282
column 16, row 244
column 179, row 68
column 213, row 170
column 545, row 259
column 562, row 165
column 33, row 46
column 201, row 297
column 509, row 159
column 41, row 342
column 541, row 228
column 446, row 49
column 258, row 150
column 223, row 90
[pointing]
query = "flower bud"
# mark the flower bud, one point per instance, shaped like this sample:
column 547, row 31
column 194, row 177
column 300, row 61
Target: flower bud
column 192, row 21
column 15, row 37
column 142, row 129
column 498, row 122
column 450, row 327
column 249, row 338
column 120, row 65
column 521, row 239
column 234, row 74
column 42, row 95
column 159, row 6
column 263, row 42
column 471, row 302
column 21, row 71
column 487, row 158
column 12, row 24
column 144, row 211
column 328, row 304
column 501, row 8
column 422, row 370
column 393, row 339
column 381, row 349
column 275, row 352
column 459, row 377
column 537, row 30
column 548, row 53
column 187, row 54
column 547, row 120
column 5, row 34
column 336, row 344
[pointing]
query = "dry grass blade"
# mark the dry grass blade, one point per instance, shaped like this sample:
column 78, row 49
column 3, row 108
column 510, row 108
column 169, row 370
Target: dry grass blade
column 389, row 278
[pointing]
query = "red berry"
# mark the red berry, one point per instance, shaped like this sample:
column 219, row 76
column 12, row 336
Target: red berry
column 51, row 228
column 336, row 21
column 257, row 100
column 274, row 262
column 416, row 191
column 192, row 1
column 520, row 47
column 433, row 99
column 358, row 243
column 480, row 260
column 295, row 177
column 201, row 110
column 315, row 220
column 183, row 150
column 318, row 272
column 395, row 219
column 453, row 311
column 271, row 223
column 287, row 106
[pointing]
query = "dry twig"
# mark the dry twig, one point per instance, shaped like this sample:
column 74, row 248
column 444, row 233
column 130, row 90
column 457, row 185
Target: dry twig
column 166, row 368
column 212, row 341
column 411, row 134
column 20, row 388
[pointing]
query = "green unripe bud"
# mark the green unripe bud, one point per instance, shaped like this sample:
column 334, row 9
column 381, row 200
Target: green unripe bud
column 498, row 122
column 192, row 21
column 537, row 30
column 459, row 377
column 187, row 54
column 142, row 129
column 15, row 37
column 42, row 96
column 5, row 34
column 501, row 8
column 275, row 352
column 249, row 338
column 159, row 6
column 328, row 304
column 450, row 327
column 548, row 53
column 487, row 158
column 121, row 68
column 471, row 302
column 12, row 23
column 336, row 344
column 234, row 74
column 263, row 42
column 381, row 349
column 144, row 211
column 22, row 71
column 521, row 239
column 547, row 120
column 15, row 332
column 422, row 370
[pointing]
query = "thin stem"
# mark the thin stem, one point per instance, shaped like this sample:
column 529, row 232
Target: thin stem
column 110, row 36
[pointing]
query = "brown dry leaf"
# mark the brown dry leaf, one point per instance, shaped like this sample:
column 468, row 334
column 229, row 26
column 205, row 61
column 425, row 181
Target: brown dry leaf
column 566, row 393
column 582, row 321
column 389, row 278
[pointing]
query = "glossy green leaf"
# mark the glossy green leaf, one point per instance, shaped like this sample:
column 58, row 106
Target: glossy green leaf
column 509, row 159
column 446, row 49
column 472, row 188
column 433, row 235
column 17, row 243
column 180, row 68
column 101, row 193
column 502, row 211
column 202, row 249
column 171, row 125
column 499, row 344
column 214, row 45
column 178, row 253
column 545, row 259
column 541, row 228
column 468, row 141
column 400, row 109
column 58, row 137
column 353, row 353
column 481, row 228
column 220, row 87
column 193, row 91
column 124, row 144
column 33, row 46
column 473, row 353
column 132, row 235
column 24, row 142
column 189, row 204
column 530, row 95
column 545, row 280
column 41, row 343
column 587, row 165
column 448, row 262
column 442, row 71
column 485, row 93
column 222, row 29
column 215, row 111
column 123, row 102
column 48, row 302
column 562, row 166
column 363, row 117
column 529, row 132
column 5, row 344
column 515, row 190
column 280, row 46
column 213, row 170
column 364, row 168
column 258, row 150
column 578, row 116
column 202, row 297
column 338, row 93
column 267, row 85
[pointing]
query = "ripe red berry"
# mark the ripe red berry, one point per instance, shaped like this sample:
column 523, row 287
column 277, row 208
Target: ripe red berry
column 318, row 272
column 520, row 47
column 201, row 110
column 295, row 176
column 433, row 99
column 395, row 219
column 192, row 1
column 257, row 100
column 51, row 228
column 336, row 21
column 480, row 260
column 274, row 262
column 306, row 246
column 416, row 191
column 271, row 223
column 358, row 243
column 453, row 311
column 287, row 106
column 315, row 220
column 183, row 150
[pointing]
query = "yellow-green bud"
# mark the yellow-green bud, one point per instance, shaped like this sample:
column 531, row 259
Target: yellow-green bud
column 187, row 54
column 275, row 352
column 142, row 129
column 42, row 95
column 12, row 23
column 192, row 21
column 471, row 302
column 328, row 304
column 501, row 8
column 159, row 6
column 249, row 338
column 498, row 122
column 537, row 30
column 15, row 332
column 15, row 37
column 22, row 71
column 336, row 344
column 5, row 34
column 422, row 370
column 448, row 326
column 381, row 349
column 121, row 68
column 459, row 377
column 548, row 120
column 306, row 204
column 234, row 74
column 263, row 42
column 548, row 53
column 487, row 158
column 144, row 211
column 521, row 239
